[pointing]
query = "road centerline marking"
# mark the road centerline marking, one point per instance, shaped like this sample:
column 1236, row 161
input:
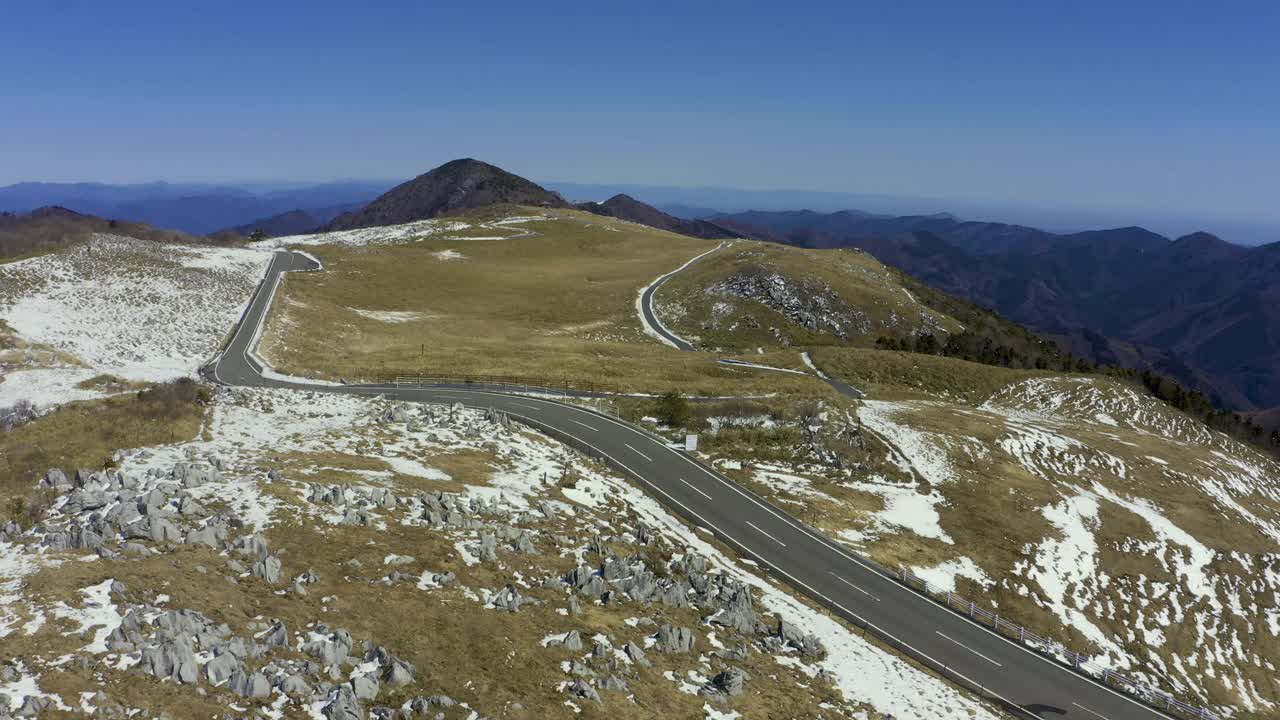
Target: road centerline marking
column 530, row 407
column 696, row 489
column 646, row 457
column 1091, row 712
column 855, row 587
column 966, row 647
column 762, row 532
column 584, row 425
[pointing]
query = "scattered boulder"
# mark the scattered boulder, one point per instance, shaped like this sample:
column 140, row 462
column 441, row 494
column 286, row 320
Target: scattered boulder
column 295, row 685
column 731, row 682
column 399, row 673
column 56, row 479
column 222, row 668
column 572, row 640
column 635, row 654
column 793, row 637
column 581, row 688
column 250, row 685
column 342, row 704
column 614, row 683
column 171, row 660
column 364, row 687
column 508, row 598
column 488, row 548
column 275, row 636
column 33, row 706
column 523, row 543
column 268, row 568
column 671, row 639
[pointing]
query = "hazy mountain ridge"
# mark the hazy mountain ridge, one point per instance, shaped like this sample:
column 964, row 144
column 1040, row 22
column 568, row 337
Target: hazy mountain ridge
column 193, row 208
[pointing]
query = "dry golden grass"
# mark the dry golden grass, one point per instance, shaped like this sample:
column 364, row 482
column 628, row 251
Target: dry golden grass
column 86, row 435
column 892, row 375
column 558, row 305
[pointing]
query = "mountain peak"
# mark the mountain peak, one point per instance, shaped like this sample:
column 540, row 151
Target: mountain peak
column 451, row 188
column 1200, row 238
column 625, row 207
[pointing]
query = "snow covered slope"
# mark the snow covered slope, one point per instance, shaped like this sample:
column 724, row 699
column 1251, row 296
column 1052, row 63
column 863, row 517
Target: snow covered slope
column 116, row 305
column 1086, row 511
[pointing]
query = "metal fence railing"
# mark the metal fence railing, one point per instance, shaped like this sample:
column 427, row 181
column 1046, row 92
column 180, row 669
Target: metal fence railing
column 501, row 382
column 1050, row 648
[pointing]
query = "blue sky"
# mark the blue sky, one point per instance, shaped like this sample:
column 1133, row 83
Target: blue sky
column 1165, row 107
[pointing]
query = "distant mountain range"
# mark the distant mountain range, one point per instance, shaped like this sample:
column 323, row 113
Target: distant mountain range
column 704, row 202
column 1197, row 308
column 192, row 208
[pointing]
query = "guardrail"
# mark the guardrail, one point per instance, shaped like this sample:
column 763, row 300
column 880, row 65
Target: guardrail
column 1052, row 649
column 503, row 382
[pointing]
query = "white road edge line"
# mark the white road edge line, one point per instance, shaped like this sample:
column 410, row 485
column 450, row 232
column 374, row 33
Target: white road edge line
column 855, row 587
column 966, row 647
column 646, row 457
column 757, row 529
column 1091, row 712
column 696, row 489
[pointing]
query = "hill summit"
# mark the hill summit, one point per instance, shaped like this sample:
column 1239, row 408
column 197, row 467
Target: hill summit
column 454, row 187
column 625, row 207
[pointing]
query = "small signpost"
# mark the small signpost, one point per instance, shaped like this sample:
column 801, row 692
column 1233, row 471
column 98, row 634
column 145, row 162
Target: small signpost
column 691, row 442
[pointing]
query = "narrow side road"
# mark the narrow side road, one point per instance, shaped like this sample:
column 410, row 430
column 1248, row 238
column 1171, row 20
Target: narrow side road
column 649, row 319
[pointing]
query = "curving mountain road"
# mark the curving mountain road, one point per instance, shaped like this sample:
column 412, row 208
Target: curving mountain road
column 1024, row 683
column 650, row 319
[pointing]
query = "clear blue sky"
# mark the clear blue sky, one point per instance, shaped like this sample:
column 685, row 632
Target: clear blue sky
column 1163, row 106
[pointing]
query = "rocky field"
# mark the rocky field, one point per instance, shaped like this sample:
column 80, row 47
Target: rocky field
column 317, row 556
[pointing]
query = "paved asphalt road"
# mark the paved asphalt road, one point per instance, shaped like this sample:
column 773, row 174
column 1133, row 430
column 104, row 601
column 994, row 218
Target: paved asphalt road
column 646, row 305
column 795, row 554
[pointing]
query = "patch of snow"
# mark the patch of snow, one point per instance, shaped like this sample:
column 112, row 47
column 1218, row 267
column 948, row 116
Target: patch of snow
column 943, row 576
column 389, row 316
column 98, row 612
column 46, row 387
column 139, row 310
column 808, row 361
column 385, row 235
